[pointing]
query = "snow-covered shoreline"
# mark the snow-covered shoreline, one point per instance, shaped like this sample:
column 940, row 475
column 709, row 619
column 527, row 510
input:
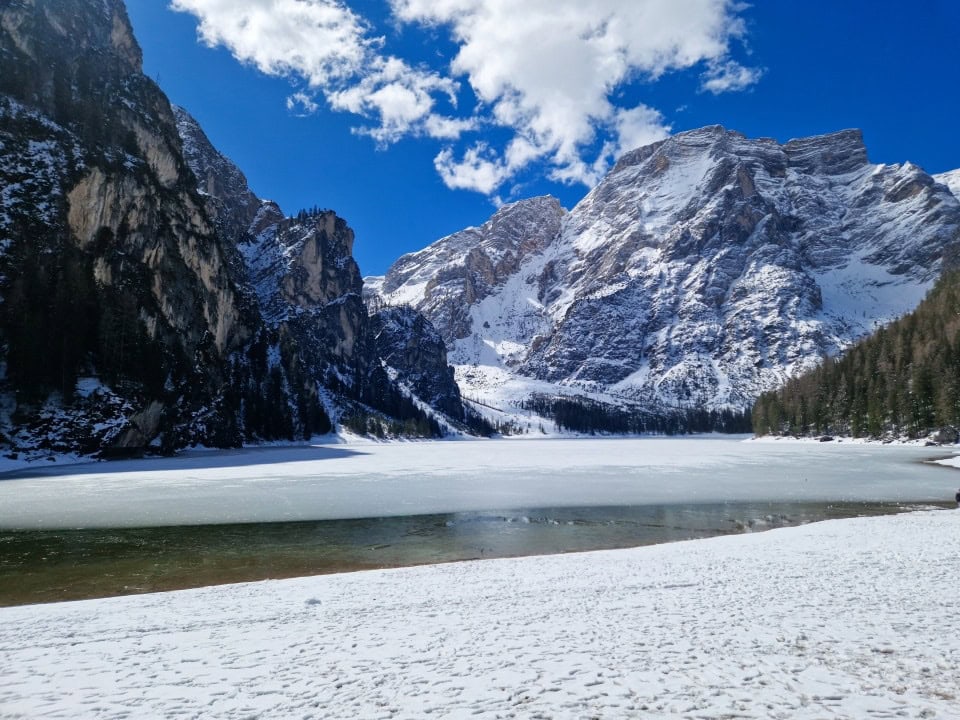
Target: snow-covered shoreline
column 850, row 440
column 850, row 618
column 42, row 462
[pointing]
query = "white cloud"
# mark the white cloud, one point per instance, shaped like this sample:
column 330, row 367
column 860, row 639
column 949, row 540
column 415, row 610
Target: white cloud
column 444, row 128
column 548, row 69
column 402, row 98
column 544, row 74
column 301, row 104
column 479, row 169
column 322, row 40
column 329, row 46
column 729, row 76
column 637, row 127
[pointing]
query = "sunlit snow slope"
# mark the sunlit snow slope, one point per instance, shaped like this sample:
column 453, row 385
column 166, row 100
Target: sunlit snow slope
column 951, row 180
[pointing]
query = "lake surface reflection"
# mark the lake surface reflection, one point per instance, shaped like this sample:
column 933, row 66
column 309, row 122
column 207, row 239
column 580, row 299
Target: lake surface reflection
column 54, row 565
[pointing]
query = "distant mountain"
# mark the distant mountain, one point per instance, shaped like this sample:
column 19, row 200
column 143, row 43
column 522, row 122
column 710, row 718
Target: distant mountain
column 703, row 270
column 148, row 299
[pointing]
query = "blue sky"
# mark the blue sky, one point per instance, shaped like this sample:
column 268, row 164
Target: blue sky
column 414, row 118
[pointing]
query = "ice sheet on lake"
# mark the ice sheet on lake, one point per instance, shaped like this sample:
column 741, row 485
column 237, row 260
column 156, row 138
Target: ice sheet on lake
column 371, row 479
column 841, row 619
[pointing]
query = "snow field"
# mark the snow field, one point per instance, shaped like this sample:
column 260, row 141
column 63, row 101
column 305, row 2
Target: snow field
column 368, row 479
column 841, row 619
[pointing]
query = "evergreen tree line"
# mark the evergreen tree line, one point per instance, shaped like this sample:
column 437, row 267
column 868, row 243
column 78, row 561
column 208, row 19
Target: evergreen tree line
column 276, row 402
column 379, row 408
column 364, row 422
column 904, row 380
column 588, row 416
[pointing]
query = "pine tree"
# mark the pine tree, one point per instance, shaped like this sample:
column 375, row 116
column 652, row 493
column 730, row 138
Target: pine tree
column 905, row 378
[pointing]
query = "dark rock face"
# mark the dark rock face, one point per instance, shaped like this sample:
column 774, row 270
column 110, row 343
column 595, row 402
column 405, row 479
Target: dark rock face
column 229, row 200
column 409, row 344
column 310, row 290
column 703, row 270
column 120, row 275
column 149, row 298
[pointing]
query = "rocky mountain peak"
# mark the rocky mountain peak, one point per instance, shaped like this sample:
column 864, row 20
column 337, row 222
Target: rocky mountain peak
column 318, row 250
column 703, row 269
column 832, row 154
column 306, row 286
column 232, row 204
column 504, row 238
column 43, row 31
column 464, row 268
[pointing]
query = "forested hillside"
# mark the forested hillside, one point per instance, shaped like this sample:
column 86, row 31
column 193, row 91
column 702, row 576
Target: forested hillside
column 902, row 381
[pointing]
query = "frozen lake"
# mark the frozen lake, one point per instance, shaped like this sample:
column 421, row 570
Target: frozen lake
column 364, row 480
column 220, row 517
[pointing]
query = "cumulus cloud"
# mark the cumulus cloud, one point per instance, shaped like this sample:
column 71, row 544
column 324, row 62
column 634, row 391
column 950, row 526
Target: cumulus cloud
column 638, row 126
column 401, row 98
column 729, row 76
column 334, row 50
column 321, row 40
column 302, row 104
column 545, row 74
column 547, row 69
column 479, row 169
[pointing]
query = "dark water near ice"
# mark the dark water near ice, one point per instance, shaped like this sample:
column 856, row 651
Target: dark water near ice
column 53, row 565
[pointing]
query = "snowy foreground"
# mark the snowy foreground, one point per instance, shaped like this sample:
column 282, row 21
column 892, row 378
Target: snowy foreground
column 851, row 618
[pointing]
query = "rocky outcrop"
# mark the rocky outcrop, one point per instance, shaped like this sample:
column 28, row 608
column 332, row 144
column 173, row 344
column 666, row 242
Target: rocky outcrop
column 702, row 270
column 306, row 282
column 410, row 345
column 452, row 275
column 230, row 202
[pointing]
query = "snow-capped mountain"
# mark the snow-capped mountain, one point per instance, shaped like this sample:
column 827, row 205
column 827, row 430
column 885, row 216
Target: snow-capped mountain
column 701, row 271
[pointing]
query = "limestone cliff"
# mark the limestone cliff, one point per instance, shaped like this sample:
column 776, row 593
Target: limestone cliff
column 300, row 275
column 119, row 282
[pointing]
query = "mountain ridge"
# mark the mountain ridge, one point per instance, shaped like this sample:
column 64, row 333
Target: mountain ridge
column 300, row 273
column 704, row 269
